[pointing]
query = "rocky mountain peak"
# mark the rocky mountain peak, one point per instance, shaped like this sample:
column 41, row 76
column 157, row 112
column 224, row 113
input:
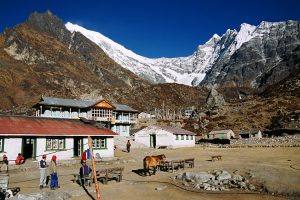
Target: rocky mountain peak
column 50, row 24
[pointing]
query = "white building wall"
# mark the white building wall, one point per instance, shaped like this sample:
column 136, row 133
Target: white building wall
column 12, row 146
column 144, row 115
column 186, row 142
column 61, row 155
column 104, row 153
column 258, row 135
column 143, row 137
column 163, row 138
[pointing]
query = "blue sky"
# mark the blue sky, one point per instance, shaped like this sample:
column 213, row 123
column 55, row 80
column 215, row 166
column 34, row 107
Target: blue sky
column 155, row 28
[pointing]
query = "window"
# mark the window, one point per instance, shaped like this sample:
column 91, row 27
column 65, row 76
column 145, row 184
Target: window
column 186, row 137
column 55, row 144
column 99, row 143
column 182, row 137
column 177, row 137
column 191, row 137
column 1, row 144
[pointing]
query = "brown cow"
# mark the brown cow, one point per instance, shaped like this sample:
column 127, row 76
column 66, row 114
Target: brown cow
column 152, row 161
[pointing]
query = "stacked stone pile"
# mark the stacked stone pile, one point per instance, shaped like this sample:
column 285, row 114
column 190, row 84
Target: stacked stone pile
column 216, row 181
column 268, row 141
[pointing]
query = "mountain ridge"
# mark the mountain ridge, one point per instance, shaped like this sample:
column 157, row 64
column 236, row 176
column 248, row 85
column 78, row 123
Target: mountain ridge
column 190, row 70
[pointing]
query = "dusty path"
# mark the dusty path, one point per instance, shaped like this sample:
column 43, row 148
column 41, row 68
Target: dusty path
column 270, row 166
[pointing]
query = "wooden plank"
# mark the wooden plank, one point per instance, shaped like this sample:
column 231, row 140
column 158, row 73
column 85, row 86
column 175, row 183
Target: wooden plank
column 90, row 142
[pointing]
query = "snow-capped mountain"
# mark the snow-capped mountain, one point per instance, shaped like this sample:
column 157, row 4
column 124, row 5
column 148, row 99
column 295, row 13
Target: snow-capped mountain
column 185, row 70
column 190, row 70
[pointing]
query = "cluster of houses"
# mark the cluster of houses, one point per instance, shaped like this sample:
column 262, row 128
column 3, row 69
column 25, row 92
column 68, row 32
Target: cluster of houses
column 62, row 126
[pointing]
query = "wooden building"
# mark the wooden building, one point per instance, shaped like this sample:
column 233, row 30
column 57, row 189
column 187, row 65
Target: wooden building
column 118, row 117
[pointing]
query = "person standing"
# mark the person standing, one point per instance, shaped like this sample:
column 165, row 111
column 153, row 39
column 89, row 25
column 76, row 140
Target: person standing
column 5, row 164
column 43, row 174
column 5, row 159
column 128, row 145
column 54, row 177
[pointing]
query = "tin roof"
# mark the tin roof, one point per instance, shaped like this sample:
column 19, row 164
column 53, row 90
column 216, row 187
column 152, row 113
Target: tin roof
column 38, row 126
column 123, row 107
column 66, row 102
column 175, row 130
column 219, row 132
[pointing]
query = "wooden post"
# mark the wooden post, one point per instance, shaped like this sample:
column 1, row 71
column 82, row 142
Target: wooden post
column 90, row 142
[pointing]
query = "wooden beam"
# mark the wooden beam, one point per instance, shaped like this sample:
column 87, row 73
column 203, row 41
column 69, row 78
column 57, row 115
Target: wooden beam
column 90, row 142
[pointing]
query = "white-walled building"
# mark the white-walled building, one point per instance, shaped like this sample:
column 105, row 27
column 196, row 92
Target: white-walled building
column 156, row 136
column 66, row 138
column 144, row 115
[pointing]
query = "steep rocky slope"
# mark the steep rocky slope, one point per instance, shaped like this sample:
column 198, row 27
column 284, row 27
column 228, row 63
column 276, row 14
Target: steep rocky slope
column 270, row 56
column 41, row 57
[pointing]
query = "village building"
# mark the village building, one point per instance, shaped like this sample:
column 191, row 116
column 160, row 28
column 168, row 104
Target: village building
column 165, row 136
column 221, row 134
column 144, row 115
column 125, row 117
column 66, row 138
column 118, row 117
column 250, row 134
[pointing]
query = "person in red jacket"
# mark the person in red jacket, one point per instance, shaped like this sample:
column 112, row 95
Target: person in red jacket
column 20, row 159
column 83, row 157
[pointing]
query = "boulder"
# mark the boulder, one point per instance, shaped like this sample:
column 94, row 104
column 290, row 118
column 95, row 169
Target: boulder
column 224, row 176
column 198, row 177
column 214, row 99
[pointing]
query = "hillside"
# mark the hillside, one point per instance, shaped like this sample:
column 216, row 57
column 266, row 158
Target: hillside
column 41, row 57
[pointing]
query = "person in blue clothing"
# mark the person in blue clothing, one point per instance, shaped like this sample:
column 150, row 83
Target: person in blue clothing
column 54, row 177
column 43, row 174
column 85, row 171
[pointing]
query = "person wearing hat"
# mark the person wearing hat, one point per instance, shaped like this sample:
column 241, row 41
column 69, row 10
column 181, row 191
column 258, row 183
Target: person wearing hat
column 85, row 172
column 54, row 177
column 43, row 173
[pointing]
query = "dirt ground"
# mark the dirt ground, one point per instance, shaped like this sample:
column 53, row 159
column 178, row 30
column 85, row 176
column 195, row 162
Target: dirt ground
column 276, row 168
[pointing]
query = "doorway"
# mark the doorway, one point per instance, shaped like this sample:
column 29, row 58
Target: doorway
column 153, row 141
column 78, row 146
column 28, row 147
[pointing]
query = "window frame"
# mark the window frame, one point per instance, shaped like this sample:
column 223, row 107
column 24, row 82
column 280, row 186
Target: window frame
column 100, row 140
column 58, row 148
column 2, row 144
